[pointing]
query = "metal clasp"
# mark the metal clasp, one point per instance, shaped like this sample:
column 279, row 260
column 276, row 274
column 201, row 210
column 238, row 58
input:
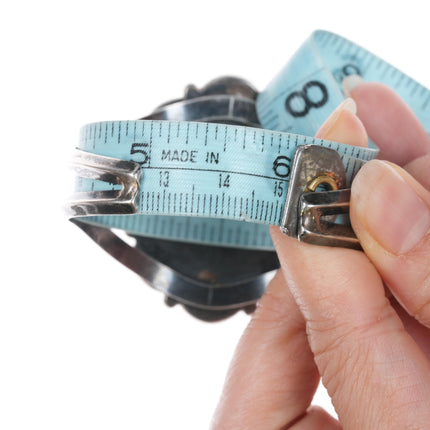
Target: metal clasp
column 106, row 169
column 313, row 216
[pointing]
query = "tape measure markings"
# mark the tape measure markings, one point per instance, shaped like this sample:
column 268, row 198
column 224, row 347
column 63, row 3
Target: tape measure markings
column 237, row 173
column 336, row 55
column 253, row 166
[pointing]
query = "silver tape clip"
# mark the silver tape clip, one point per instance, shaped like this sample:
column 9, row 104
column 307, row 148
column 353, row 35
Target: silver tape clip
column 314, row 216
column 111, row 170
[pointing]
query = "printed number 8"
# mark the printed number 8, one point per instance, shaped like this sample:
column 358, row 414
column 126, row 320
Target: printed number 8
column 308, row 103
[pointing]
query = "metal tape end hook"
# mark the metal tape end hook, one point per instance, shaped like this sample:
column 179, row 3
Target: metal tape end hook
column 128, row 174
column 313, row 216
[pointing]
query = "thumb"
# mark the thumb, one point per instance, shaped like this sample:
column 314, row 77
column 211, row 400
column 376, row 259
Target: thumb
column 373, row 370
column 390, row 213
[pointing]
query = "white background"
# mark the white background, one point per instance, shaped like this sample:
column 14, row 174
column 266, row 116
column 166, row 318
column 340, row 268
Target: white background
column 84, row 343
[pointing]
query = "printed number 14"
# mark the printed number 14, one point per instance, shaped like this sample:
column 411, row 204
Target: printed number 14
column 224, row 181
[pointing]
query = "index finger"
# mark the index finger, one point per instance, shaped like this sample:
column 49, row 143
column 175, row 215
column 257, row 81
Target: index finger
column 389, row 121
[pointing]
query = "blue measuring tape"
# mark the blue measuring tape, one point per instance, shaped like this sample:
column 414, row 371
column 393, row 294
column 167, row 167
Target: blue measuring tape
column 200, row 182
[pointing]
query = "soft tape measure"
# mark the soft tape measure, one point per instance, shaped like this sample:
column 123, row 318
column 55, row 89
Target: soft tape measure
column 200, row 180
column 223, row 184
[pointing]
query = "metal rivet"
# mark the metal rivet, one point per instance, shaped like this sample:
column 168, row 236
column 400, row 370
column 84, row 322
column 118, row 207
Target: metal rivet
column 326, row 179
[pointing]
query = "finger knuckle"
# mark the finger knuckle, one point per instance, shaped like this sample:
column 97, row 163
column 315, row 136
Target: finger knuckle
column 421, row 299
column 422, row 313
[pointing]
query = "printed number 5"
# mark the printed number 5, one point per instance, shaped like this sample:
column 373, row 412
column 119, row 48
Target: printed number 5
column 140, row 148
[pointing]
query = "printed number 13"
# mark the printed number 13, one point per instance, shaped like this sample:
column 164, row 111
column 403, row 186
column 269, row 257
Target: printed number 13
column 164, row 178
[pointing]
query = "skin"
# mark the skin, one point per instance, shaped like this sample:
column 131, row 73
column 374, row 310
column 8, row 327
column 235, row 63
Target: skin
column 358, row 320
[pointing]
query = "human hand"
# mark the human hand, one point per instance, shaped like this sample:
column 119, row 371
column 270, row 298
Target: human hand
column 335, row 312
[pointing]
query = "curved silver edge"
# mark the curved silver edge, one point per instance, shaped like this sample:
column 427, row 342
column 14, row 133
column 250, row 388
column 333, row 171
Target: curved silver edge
column 128, row 174
column 179, row 287
column 210, row 108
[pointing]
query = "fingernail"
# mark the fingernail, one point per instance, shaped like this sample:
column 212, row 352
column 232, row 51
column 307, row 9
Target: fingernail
column 344, row 126
column 390, row 209
column 350, row 82
column 348, row 105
